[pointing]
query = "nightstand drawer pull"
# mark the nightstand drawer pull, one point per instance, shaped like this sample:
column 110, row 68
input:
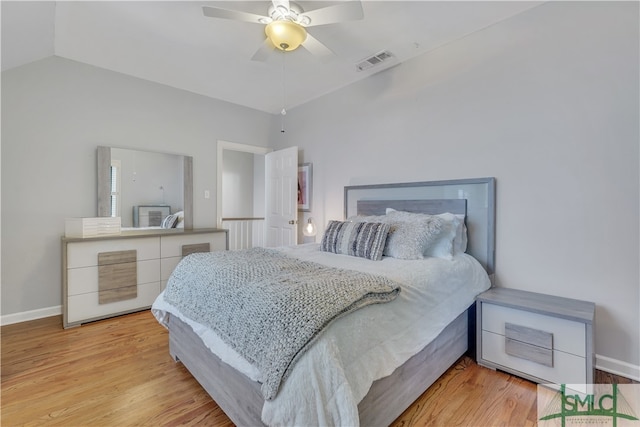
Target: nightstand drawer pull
column 529, row 343
column 543, row 356
column 529, row 335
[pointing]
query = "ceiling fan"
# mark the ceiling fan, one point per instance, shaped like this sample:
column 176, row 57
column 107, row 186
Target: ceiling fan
column 286, row 24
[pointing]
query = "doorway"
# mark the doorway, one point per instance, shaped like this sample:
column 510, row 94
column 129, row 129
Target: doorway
column 241, row 193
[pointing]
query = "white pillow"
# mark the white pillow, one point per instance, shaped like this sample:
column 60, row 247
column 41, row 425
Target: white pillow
column 460, row 241
column 169, row 221
column 180, row 223
column 414, row 236
column 444, row 245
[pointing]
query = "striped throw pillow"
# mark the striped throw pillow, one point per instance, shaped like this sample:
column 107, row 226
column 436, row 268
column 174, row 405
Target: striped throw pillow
column 361, row 239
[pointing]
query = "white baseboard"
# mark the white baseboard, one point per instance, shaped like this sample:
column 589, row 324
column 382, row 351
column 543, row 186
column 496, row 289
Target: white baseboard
column 25, row 316
column 618, row 367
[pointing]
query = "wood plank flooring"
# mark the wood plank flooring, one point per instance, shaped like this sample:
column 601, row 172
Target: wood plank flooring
column 118, row 372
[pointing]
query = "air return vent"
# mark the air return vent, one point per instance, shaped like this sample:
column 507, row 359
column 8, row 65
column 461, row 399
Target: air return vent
column 374, row 60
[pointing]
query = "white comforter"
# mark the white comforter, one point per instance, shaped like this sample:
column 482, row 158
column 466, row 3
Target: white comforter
column 329, row 380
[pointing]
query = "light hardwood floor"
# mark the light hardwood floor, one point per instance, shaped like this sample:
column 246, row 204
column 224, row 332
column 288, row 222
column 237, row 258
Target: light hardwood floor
column 118, row 372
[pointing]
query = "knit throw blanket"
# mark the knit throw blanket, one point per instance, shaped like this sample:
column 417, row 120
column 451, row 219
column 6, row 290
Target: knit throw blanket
column 268, row 306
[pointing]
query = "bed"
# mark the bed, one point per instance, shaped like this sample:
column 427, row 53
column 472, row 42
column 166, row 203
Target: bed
column 329, row 385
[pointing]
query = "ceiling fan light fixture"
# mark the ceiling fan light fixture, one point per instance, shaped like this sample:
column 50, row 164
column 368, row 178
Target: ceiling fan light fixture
column 286, row 35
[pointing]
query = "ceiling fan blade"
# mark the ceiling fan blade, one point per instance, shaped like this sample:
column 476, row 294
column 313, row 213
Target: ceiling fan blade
column 236, row 15
column 263, row 51
column 317, row 48
column 348, row 11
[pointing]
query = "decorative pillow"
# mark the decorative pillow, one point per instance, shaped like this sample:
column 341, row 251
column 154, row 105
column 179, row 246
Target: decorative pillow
column 361, row 239
column 453, row 239
column 170, row 221
column 415, row 236
column 410, row 235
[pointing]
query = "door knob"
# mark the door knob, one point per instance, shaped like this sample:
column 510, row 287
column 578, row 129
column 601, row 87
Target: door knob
column 292, row 222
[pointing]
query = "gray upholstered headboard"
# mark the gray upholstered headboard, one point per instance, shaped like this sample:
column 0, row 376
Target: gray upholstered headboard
column 475, row 197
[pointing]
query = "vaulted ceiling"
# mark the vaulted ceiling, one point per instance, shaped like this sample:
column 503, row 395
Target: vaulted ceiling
column 173, row 43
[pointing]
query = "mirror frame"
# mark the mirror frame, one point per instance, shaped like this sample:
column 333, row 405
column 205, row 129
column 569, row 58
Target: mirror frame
column 104, row 193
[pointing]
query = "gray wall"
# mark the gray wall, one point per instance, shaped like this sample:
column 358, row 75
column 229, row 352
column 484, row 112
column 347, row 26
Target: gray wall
column 55, row 112
column 547, row 102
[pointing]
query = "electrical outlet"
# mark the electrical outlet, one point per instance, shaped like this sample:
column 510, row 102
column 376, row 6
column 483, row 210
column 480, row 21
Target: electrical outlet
column 207, row 194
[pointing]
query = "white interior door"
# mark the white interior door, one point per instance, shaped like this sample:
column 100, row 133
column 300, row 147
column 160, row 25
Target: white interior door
column 281, row 204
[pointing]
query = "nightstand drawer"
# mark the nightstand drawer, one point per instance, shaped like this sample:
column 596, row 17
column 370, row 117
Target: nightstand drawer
column 566, row 335
column 567, row 368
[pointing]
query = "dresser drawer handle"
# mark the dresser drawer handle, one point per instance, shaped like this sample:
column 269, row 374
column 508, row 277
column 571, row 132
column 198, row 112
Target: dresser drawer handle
column 194, row 248
column 117, row 276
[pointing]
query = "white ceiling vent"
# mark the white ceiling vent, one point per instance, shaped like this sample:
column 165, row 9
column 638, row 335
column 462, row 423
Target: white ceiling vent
column 374, row 60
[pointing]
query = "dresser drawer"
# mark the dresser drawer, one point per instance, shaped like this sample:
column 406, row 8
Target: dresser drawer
column 85, row 279
column 84, row 307
column 85, row 254
column 567, row 336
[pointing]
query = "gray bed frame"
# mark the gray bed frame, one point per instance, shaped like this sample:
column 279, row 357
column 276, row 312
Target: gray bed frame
column 241, row 399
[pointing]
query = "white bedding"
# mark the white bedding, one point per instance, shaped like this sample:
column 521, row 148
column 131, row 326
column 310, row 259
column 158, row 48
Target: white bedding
column 329, row 380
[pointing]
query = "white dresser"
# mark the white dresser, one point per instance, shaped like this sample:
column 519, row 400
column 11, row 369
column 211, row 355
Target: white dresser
column 543, row 338
column 111, row 275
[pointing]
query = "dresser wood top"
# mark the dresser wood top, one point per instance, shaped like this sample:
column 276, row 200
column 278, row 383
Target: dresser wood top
column 567, row 308
column 146, row 233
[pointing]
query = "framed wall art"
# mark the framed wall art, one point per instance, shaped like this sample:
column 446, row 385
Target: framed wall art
column 305, row 182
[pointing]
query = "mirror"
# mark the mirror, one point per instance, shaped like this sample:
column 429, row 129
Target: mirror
column 144, row 184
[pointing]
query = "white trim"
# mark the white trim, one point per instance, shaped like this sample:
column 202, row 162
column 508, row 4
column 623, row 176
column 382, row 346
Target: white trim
column 618, row 367
column 9, row 319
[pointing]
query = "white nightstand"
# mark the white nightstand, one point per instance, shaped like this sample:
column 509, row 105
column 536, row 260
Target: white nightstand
column 543, row 338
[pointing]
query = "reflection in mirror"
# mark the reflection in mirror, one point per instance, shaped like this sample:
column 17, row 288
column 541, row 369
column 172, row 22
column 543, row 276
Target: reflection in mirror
column 144, row 187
